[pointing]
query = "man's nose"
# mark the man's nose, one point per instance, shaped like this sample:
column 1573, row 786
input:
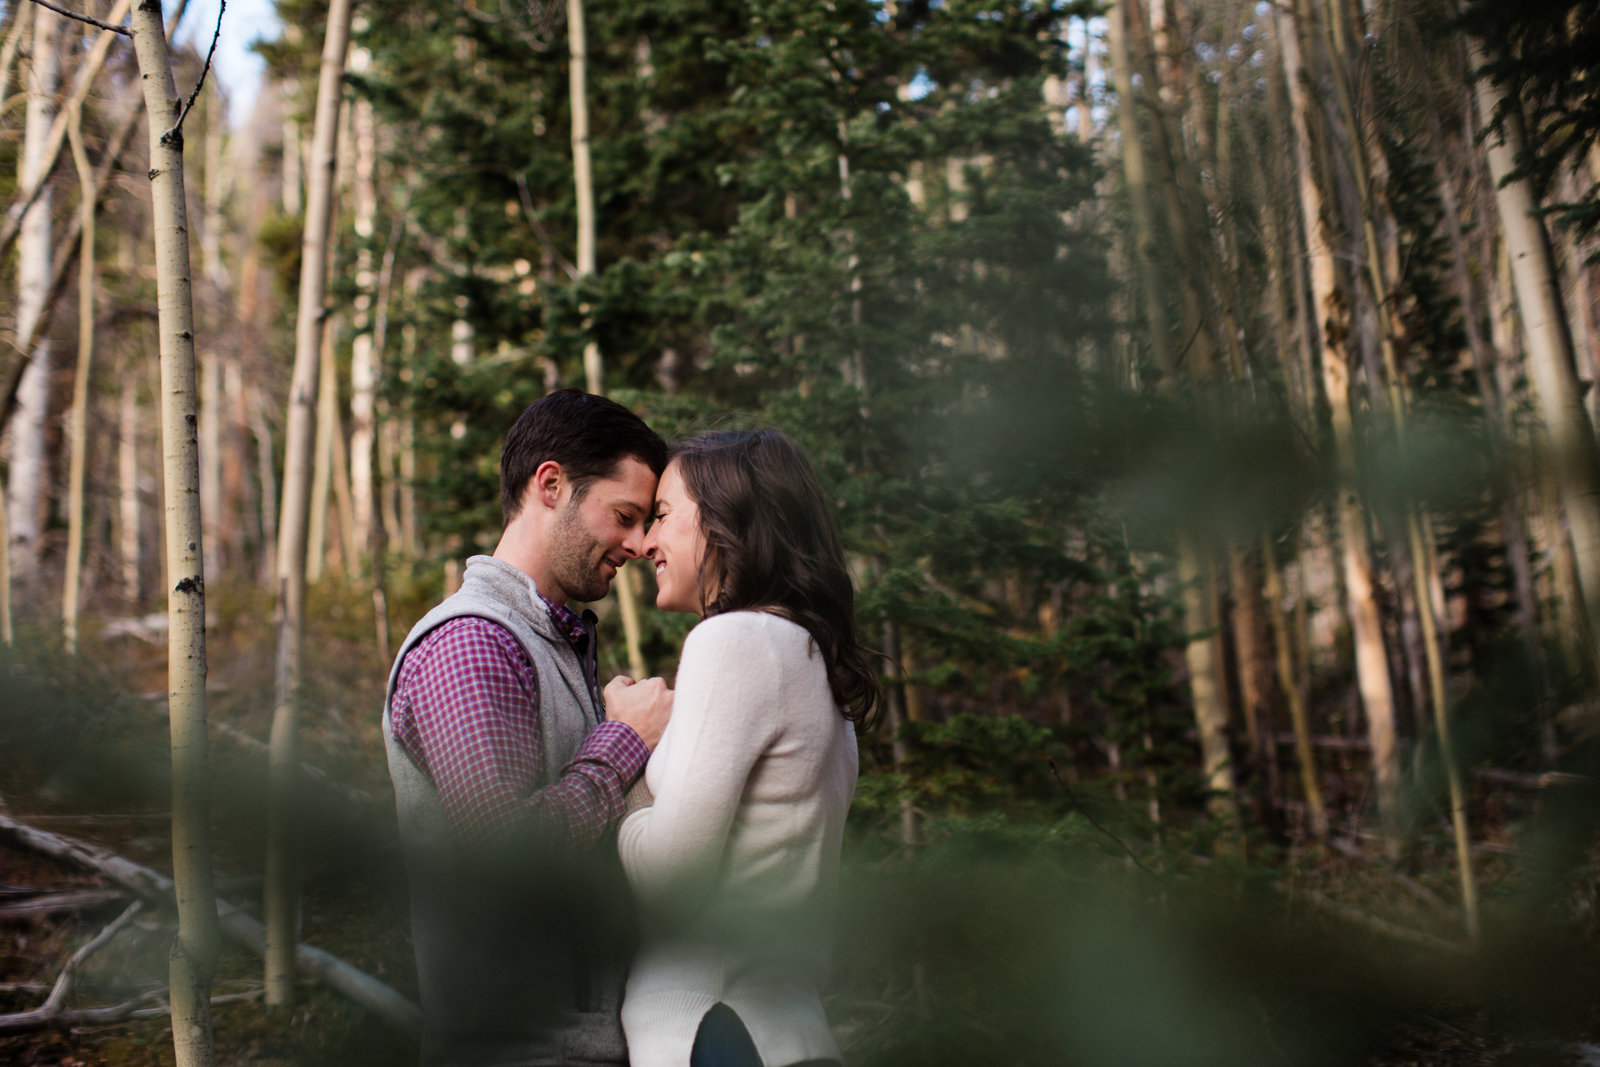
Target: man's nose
column 634, row 543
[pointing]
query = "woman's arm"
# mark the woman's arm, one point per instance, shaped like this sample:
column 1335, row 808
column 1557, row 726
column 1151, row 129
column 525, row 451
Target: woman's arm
column 724, row 717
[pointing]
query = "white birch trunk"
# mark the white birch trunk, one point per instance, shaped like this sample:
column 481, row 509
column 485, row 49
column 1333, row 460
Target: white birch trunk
column 195, row 948
column 280, row 893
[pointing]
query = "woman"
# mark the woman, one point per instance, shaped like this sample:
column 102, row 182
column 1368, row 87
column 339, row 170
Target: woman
column 736, row 859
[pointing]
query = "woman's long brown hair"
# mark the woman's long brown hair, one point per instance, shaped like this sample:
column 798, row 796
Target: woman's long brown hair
column 772, row 545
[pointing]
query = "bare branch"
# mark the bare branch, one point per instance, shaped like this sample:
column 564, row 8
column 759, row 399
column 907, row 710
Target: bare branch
column 360, row 987
column 79, row 958
column 85, row 18
column 177, row 127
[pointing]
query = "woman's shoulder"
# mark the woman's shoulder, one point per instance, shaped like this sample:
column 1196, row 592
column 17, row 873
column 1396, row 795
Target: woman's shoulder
column 748, row 630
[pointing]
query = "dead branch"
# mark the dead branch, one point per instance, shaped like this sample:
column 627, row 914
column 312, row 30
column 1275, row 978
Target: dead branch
column 128, row 1011
column 360, row 987
column 91, row 20
column 51, row 1012
column 57, row 903
column 1382, row 926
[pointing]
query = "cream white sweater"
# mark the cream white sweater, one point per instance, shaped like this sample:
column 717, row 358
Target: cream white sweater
column 736, row 862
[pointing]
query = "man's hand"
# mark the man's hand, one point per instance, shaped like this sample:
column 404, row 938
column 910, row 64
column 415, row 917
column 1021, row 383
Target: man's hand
column 646, row 706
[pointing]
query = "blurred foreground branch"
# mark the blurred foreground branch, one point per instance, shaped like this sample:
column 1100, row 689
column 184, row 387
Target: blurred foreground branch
column 359, row 986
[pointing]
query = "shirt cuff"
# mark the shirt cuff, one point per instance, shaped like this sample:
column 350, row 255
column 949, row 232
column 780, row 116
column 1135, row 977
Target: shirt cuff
column 618, row 746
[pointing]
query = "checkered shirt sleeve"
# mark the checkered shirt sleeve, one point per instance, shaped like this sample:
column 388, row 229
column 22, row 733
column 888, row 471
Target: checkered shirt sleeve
column 466, row 710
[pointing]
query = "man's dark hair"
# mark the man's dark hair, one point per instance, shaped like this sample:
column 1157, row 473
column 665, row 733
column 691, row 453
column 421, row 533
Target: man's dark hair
column 587, row 434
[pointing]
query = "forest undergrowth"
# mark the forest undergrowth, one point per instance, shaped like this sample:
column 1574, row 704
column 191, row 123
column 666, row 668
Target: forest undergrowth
column 1041, row 917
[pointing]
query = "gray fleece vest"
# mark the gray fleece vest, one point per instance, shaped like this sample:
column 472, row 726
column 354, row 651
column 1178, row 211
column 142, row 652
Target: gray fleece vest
column 521, row 954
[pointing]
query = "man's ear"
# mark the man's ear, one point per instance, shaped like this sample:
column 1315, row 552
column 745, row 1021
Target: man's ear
column 547, row 483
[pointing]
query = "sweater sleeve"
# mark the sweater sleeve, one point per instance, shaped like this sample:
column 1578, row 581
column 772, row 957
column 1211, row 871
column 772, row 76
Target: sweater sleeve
column 725, row 714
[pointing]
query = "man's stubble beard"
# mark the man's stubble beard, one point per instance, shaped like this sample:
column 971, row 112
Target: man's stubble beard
column 575, row 557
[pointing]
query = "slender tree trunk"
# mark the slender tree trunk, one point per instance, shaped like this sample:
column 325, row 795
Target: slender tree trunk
column 281, row 903
column 194, row 951
column 593, row 367
column 364, row 368
column 1253, row 654
column 1372, row 664
column 895, row 719
column 128, row 485
column 1289, row 680
column 16, row 29
column 49, row 148
column 1574, row 457
column 80, row 382
column 1202, row 652
column 211, row 357
column 317, row 549
column 28, row 463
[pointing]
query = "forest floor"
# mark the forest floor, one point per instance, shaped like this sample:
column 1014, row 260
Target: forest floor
column 85, row 757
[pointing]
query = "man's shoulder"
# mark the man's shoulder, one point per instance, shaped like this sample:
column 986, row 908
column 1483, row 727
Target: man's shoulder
column 463, row 639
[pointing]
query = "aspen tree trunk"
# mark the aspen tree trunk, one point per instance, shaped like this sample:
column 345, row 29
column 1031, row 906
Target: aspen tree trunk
column 1253, row 654
column 128, row 485
column 80, row 381
column 1372, row 663
column 593, row 368
column 1574, row 457
column 363, row 351
column 16, row 30
column 211, row 358
column 895, row 718
column 1419, row 531
column 1512, row 527
column 49, row 149
column 1203, row 651
column 1289, row 680
column 281, row 897
column 324, row 470
column 366, row 354
column 34, row 261
column 195, row 948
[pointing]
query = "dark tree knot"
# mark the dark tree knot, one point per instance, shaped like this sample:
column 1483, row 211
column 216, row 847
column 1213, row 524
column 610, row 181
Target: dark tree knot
column 195, row 584
column 152, row 173
column 187, row 336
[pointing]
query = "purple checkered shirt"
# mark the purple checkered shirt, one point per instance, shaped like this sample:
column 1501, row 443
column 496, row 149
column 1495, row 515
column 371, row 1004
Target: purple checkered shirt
column 466, row 709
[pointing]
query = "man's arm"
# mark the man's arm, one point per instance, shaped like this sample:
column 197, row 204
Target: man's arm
column 467, row 711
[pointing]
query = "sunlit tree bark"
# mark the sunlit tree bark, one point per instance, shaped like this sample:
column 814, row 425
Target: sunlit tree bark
column 1331, row 305
column 1574, row 457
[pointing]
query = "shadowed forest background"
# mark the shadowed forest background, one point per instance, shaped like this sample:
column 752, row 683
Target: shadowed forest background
column 1205, row 389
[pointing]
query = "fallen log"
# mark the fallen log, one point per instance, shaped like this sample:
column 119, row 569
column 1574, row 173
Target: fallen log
column 359, row 986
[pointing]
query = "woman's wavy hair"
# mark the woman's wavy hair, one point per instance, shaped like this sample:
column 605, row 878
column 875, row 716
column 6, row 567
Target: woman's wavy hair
column 772, row 545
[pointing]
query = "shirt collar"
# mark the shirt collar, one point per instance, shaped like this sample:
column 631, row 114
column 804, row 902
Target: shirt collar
column 569, row 622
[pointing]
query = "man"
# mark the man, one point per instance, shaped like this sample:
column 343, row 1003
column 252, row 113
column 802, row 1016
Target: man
column 510, row 768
